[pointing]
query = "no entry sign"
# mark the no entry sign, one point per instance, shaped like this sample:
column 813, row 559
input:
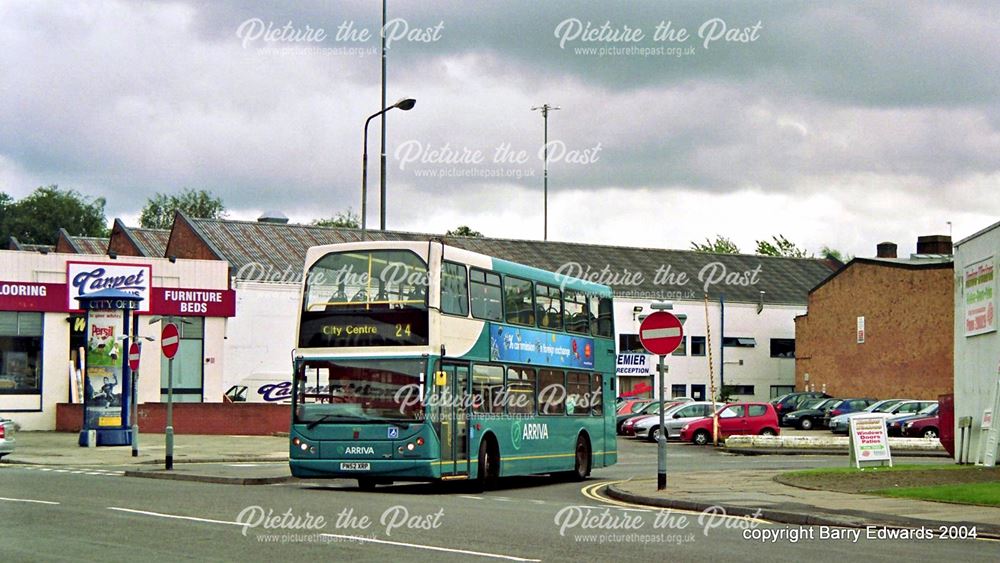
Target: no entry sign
column 169, row 340
column 661, row 333
column 133, row 356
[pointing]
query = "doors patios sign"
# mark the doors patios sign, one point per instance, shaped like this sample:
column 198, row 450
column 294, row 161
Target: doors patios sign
column 979, row 294
column 84, row 278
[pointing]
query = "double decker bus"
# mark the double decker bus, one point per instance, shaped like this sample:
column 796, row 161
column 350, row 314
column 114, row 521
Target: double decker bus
column 418, row 361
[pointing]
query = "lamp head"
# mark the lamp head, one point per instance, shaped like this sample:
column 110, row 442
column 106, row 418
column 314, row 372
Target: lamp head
column 405, row 104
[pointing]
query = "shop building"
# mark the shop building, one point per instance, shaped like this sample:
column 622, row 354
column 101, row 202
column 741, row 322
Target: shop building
column 976, row 339
column 881, row 327
column 42, row 329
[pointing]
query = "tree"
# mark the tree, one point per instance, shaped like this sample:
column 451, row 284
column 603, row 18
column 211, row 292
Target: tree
column 37, row 218
column 837, row 255
column 781, row 247
column 160, row 209
column 721, row 245
column 464, row 231
column 344, row 220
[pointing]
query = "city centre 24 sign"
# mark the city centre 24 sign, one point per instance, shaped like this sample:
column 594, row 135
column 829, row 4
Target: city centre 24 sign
column 84, row 278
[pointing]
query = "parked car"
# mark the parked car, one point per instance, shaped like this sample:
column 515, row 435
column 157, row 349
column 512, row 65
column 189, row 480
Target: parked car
column 847, row 406
column 7, row 441
column 925, row 427
column 674, row 419
column 650, row 411
column 790, row 402
column 736, row 418
column 902, row 407
column 621, row 417
column 894, row 424
column 810, row 413
column 631, row 406
column 839, row 424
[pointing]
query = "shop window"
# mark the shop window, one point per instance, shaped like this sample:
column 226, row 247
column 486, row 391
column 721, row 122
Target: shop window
column 188, row 362
column 20, row 353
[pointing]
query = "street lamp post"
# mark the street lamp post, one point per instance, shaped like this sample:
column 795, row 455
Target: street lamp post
column 545, row 108
column 405, row 104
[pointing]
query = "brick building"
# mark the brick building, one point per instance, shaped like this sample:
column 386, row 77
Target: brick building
column 881, row 327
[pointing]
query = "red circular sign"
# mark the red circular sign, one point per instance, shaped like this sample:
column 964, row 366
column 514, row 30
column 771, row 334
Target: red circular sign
column 661, row 333
column 133, row 356
column 169, row 340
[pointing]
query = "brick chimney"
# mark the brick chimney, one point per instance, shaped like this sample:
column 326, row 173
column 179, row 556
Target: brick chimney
column 886, row 250
column 934, row 244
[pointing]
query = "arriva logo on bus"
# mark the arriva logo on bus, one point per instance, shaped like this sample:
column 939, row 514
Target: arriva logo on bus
column 359, row 450
column 520, row 431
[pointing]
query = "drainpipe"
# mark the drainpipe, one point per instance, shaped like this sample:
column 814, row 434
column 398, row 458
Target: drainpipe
column 722, row 341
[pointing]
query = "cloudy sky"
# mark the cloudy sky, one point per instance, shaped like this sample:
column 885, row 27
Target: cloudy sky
column 841, row 125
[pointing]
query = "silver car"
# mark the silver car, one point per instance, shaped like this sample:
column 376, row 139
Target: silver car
column 675, row 419
column 6, row 437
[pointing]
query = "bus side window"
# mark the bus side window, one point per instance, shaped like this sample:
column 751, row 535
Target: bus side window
column 520, row 397
column 454, row 290
column 596, row 396
column 551, row 392
column 605, row 318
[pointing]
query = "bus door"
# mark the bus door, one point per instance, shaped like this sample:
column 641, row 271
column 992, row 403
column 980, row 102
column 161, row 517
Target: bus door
column 451, row 419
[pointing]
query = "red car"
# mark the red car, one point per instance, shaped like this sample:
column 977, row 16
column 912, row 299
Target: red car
column 927, row 427
column 737, row 418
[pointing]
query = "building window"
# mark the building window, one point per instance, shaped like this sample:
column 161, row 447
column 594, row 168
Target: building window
column 741, row 389
column 738, row 342
column 454, row 290
column 630, row 344
column 518, row 301
column 678, row 390
column 697, row 345
column 486, row 295
column 782, row 347
column 681, row 348
column 20, row 353
column 779, row 390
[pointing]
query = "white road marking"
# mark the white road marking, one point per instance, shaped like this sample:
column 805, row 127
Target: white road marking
column 472, row 497
column 28, row 500
column 339, row 536
column 430, row 547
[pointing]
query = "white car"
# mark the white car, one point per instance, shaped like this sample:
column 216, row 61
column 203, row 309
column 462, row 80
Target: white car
column 675, row 419
column 6, row 437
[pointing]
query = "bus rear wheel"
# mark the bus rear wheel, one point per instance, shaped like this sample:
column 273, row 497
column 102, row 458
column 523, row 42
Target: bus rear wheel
column 581, row 468
column 489, row 465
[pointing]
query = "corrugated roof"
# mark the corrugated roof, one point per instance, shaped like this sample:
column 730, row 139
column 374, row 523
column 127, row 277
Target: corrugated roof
column 91, row 245
column 683, row 274
column 152, row 241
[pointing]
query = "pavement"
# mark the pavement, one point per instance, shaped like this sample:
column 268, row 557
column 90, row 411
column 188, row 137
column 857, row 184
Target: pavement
column 257, row 460
column 756, row 494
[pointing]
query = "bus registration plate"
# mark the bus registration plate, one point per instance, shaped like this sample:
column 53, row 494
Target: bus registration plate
column 355, row 466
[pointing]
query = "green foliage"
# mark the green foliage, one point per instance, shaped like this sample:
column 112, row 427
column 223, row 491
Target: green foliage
column 841, row 257
column 464, row 231
column 727, row 394
column 721, row 245
column 160, row 209
column 37, row 218
column 345, row 220
column 780, row 247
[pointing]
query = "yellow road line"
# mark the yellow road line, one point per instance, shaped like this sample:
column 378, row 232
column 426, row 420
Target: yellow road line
column 590, row 491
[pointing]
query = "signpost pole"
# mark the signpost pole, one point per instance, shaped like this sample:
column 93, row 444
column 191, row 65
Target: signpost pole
column 135, row 400
column 661, row 443
column 170, row 414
